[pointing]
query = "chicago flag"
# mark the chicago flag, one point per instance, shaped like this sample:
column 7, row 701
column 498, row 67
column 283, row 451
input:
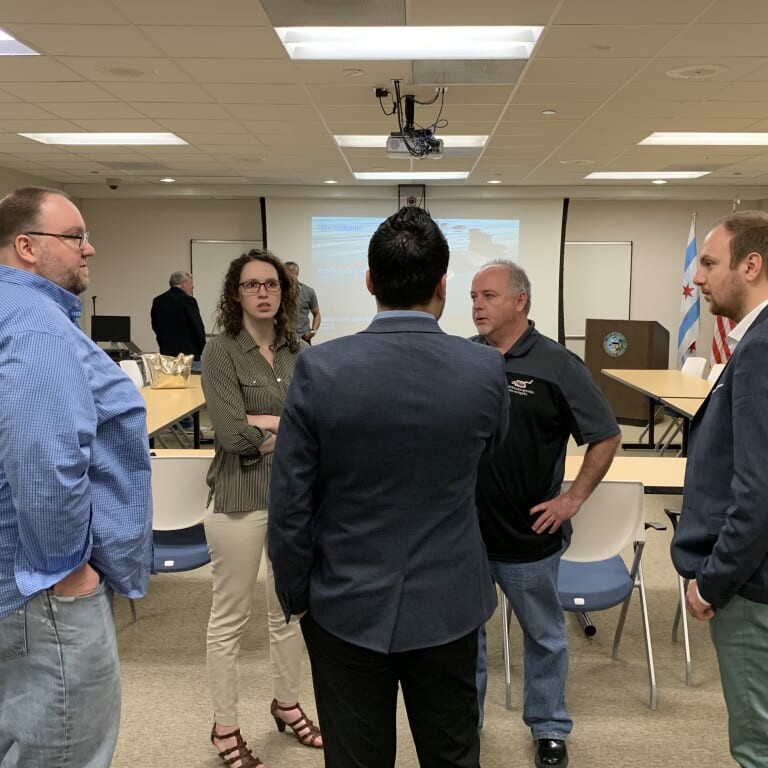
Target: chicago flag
column 689, row 306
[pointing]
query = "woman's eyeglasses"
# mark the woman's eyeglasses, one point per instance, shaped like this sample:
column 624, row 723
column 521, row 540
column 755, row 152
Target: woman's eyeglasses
column 252, row 286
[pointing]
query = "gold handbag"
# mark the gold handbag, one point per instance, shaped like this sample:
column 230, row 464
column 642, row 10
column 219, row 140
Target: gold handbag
column 165, row 372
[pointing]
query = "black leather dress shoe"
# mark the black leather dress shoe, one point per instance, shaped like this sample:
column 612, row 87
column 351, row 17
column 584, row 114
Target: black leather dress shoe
column 551, row 752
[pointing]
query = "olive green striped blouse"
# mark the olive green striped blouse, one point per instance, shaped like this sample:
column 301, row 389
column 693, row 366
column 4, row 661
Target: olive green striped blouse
column 238, row 382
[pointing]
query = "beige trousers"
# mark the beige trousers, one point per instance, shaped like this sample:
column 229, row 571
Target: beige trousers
column 236, row 542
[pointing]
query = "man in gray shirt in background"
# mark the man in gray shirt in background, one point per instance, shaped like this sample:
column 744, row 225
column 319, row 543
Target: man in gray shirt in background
column 307, row 304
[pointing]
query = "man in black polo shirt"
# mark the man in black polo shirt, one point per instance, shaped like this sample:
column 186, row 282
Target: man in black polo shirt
column 522, row 512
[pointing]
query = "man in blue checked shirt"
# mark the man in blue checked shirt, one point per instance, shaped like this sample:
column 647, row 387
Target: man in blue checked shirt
column 75, row 497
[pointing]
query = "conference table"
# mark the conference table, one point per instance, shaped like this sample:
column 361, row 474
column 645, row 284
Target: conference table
column 686, row 407
column 656, row 385
column 658, row 474
column 169, row 406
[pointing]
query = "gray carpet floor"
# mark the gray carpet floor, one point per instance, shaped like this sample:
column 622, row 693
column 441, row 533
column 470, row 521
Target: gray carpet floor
column 167, row 714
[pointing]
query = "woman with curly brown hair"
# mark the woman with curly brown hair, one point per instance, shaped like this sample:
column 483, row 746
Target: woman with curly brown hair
column 246, row 372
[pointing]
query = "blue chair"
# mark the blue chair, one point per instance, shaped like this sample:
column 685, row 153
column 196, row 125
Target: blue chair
column 179, row 498
column 593, row 575
column 181, row 550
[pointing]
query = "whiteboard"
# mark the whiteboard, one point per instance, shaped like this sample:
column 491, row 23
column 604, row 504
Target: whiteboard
column 210, row 261
column 597, row 283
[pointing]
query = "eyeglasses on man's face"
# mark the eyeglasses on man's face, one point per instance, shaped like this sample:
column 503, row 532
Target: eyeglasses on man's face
column 253, row 286
column 82, row 239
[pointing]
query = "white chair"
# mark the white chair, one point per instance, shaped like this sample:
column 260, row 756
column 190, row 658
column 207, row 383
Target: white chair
column 714, row 373
column 131, row 368
column 179, row 498
column 593, row 575
column 681, row 616
column 694, row 366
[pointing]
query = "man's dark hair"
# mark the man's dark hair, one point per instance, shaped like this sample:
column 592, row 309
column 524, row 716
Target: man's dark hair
column 407, row 256
column 19, row 211
column 749, row 234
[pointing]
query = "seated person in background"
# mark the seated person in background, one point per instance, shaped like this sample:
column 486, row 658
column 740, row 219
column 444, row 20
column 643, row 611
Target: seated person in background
column 176, row 318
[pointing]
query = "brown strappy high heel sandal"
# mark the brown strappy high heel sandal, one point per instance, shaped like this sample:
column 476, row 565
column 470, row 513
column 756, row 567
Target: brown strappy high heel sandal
column 303, row 728
column 239, row 752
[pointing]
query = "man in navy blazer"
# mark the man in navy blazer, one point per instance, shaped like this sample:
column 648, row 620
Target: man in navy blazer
column 373, row 532
column 721, row 543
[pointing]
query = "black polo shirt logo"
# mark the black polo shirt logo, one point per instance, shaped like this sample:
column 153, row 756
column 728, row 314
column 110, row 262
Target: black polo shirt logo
column 520, row 387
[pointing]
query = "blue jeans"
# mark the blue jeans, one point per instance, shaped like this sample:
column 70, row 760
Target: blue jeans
column 59, row 683
column 531, row 589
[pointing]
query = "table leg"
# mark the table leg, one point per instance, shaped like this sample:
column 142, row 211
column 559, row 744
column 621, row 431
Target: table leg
column 651, row 423
column 651, row 444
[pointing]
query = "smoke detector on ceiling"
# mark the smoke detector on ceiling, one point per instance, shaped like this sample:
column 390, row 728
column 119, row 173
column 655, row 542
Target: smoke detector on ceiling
column 696, row 72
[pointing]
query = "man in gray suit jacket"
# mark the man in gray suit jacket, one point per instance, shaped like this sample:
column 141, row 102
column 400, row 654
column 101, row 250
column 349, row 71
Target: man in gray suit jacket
column 373, row 532
column 721, row 542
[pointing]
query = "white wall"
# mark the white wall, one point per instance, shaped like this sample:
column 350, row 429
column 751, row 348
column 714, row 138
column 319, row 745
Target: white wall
column 140, row 242
column 659, row 233
column 10, row 180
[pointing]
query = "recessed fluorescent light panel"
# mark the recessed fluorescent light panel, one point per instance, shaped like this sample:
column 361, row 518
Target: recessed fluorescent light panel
column 706, row 138
column 640, row 175
column 105, row 139
column 413, row 176
column 9, row 46
column 408, row 43
column 377, row 142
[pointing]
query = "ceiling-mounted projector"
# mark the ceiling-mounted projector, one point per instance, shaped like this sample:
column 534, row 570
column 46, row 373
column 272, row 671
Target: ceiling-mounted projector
column 417, row 143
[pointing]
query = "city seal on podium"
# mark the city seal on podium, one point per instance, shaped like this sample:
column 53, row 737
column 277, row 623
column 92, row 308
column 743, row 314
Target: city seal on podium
column 615, row 344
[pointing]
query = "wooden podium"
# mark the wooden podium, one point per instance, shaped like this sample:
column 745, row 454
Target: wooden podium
column 625, row 344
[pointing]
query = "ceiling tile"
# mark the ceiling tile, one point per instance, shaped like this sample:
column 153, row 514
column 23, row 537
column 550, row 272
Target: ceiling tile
column 592, row 70
column 58, row 92
column 181, row 110
column 249, row 93
column 193, row 12
column 648, row 12
column 94, row 110
column 158, row 92
column 270, row 112
column 124, row 69
column 104, row 40
column 225, row 43
column 57, row 12
column 240, row 70
column 494, row 13
column 724, row 39
column 606, row 41
column 373, row 13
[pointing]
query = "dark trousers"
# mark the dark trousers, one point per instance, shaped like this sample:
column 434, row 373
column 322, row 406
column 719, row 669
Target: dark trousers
column 356, row 696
